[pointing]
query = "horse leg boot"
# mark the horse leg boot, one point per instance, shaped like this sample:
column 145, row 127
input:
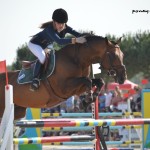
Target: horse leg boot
column 92, row 95
column 88, row 97
column 99, row 83
column 36, row 74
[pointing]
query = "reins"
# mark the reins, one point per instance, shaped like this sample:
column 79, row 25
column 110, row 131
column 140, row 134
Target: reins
column 112, row 69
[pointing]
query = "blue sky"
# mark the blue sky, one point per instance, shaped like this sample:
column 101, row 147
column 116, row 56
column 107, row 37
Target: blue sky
column 21, row 18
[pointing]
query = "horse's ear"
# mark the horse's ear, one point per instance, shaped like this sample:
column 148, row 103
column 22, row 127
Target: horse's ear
column 107, row 41
column 119, row 41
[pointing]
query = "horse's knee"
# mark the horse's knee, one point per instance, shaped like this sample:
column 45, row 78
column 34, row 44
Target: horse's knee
column 98, row 82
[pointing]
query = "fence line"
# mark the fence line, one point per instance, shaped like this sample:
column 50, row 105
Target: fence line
column 65, row 115
column 81, row 123
column 88, row 128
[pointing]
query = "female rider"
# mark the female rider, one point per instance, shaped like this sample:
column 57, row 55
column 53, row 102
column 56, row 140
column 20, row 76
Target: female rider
column 53, row 31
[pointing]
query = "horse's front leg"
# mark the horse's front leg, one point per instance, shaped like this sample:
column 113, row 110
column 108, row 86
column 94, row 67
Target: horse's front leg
column 86, row 86
column 99, row 83
column 77, row 85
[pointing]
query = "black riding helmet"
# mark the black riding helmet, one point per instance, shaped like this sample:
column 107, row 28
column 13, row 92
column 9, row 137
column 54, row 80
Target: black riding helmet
column 60, row 16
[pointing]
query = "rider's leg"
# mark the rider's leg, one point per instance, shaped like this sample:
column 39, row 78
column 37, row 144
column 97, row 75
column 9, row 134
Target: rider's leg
column 40, row 54
column 47, row 60
column 36, row 74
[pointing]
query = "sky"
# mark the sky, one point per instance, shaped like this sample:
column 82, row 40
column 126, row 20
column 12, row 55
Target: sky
column 19, row 19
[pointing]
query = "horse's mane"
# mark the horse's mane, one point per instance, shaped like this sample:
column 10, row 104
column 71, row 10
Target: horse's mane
column 92, row 37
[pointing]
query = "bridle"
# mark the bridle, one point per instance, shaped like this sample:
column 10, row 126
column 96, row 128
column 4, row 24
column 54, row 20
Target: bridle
column 112, row 71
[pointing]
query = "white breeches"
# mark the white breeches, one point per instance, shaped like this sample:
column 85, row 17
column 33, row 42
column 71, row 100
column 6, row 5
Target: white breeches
column 38, row 51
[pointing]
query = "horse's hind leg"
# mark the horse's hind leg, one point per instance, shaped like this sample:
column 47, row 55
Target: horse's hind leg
column 20, row 112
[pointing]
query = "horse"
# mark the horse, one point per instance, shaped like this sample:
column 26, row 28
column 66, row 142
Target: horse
column 70, row 75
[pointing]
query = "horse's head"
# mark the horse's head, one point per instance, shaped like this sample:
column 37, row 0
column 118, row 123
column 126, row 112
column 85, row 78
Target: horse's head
column 112, row 61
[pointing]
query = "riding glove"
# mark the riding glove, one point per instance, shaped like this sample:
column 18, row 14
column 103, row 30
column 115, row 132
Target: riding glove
column 80, row 40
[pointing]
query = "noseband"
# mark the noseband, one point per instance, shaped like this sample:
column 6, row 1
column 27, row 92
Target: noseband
column 112, row 71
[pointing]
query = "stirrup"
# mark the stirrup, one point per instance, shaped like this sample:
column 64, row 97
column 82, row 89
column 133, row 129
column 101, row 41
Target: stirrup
column 35, row 84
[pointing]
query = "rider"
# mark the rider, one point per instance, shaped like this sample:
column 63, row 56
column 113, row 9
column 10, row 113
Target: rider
column 53, row 31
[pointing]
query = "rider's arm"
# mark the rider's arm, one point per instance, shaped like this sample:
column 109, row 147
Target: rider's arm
column 56, row 38
column 72, row 31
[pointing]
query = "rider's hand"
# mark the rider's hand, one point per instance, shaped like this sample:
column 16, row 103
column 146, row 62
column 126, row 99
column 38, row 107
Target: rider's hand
column 80, row 40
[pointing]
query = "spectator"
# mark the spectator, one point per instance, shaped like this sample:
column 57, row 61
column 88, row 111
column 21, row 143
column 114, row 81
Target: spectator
column 77, row 102
column 70, row 104
column 108, row 100
column 76, row 109
column 82, row 98
column 117, row 97
column 136, row 100
column 63, row 107
column 102, row 99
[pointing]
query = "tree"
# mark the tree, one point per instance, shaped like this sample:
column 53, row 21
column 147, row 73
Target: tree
column 136, row 49
column 23, row 53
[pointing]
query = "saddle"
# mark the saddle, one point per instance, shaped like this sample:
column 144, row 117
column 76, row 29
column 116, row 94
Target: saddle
column 26, row 73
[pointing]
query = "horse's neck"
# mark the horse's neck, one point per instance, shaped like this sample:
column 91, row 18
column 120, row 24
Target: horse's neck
column 91, row 54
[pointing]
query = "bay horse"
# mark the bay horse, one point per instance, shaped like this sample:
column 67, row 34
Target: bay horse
column 70, row 76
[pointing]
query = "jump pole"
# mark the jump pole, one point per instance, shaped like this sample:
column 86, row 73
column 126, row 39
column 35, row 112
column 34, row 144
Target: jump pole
column 74, row 140
column 89, row 128
column 81, row 123
column 68, row 115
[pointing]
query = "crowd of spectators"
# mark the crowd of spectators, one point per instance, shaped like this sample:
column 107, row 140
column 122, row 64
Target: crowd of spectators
column 72, row 104
column 109, row 101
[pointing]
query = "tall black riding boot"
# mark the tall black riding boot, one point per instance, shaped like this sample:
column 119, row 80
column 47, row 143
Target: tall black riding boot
column 36, row 81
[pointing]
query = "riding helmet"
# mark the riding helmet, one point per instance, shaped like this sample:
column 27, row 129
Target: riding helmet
column 60, row 16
